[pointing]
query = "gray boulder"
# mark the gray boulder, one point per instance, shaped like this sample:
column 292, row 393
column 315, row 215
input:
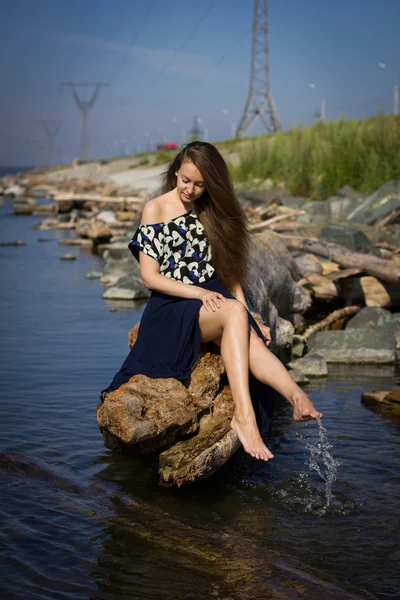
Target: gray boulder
column 312, row 365
column 127, row 288
column 316, row 212
column 115, row 269
column 270, row 280
column 352, row 239
column 115, row 250
column 370, row 317
column 355, row 345
column 396, row 320
column 378, row 205
column 272, row 242
column 298, row 377
column 340, row 207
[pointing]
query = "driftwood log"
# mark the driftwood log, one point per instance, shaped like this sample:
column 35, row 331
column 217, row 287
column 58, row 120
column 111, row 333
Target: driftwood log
column 265, row 224
column 385, row 270
column 336, row 315
column 187, row 428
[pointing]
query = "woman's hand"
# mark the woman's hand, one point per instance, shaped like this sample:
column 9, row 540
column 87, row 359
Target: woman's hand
column 266, row 333
column 212, row 300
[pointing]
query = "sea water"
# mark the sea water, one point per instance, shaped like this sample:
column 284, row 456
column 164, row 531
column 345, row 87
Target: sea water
column 322, row 461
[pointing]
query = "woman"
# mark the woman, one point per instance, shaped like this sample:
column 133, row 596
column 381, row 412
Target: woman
column 192, row 246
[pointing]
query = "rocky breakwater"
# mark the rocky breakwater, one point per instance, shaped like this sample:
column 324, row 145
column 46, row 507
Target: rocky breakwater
column 313, row 267
column 347, row 250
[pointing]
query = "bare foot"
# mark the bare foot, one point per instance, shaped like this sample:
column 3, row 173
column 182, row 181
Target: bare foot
column 304, row 409
column 251, row 440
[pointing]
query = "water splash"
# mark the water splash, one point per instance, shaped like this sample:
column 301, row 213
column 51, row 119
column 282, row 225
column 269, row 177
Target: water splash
column 322, row 462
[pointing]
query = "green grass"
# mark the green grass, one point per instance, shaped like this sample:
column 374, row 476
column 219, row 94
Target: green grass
column 318, row 160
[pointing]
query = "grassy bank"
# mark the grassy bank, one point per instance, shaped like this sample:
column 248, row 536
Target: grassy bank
column 318, row 160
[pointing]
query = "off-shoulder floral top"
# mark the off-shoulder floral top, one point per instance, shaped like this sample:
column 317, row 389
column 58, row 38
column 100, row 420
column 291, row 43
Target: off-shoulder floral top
column 180, row 246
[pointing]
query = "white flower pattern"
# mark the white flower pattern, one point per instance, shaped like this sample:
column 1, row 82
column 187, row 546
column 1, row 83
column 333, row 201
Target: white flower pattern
column 180, row 246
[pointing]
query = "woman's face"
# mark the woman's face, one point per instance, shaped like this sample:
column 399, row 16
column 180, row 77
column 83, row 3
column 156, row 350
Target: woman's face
column 190, row 183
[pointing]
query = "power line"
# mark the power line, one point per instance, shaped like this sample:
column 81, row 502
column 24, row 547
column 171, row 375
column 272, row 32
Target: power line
column 178, row 51
column 207, row 71
column 134, row 40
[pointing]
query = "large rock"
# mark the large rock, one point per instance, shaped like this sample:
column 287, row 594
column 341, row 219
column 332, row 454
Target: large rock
column 93, row 229
column 316, row 212
column 269, row 279
column 340, row 207
column 396, row 320
column 352, row 239
column 115, row 269
column 355, row 345
column 370, row 317
column 116, row 250
column 312, row 365
column 127, row 288
column 298, row 377
column 272, row 242
column 378, row 205
column 394, row 396
column 383, row 397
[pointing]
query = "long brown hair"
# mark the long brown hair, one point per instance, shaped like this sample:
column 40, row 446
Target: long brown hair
column 218, row 210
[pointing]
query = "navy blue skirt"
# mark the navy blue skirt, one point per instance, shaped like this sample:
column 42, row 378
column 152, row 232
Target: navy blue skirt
column 168, row 345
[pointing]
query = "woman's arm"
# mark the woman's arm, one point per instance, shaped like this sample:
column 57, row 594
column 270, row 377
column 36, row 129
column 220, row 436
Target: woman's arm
column 153, row 280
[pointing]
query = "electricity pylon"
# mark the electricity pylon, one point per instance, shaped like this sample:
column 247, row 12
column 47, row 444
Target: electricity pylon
column 84, row 106
column 40, row 147
column 51, row 129
column 260, row 102
column 195, row 133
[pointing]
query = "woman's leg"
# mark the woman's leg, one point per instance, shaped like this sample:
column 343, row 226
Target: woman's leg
column 229, row 327
column 268, row 369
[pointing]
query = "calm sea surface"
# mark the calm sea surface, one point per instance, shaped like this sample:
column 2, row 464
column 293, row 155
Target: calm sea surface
column 102, row 529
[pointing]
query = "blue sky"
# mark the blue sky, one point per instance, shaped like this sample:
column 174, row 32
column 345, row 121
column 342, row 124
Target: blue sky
column 170, row 60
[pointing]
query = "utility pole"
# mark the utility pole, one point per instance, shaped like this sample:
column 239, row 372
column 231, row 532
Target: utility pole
column 51, row 129
column 260, row 103
column 85, row 106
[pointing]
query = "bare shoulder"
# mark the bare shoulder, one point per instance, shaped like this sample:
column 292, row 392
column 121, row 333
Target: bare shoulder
column 151, row 212
column 154, row 210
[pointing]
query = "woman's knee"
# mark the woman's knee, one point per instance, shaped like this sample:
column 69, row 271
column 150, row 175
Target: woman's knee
column 235, row 310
